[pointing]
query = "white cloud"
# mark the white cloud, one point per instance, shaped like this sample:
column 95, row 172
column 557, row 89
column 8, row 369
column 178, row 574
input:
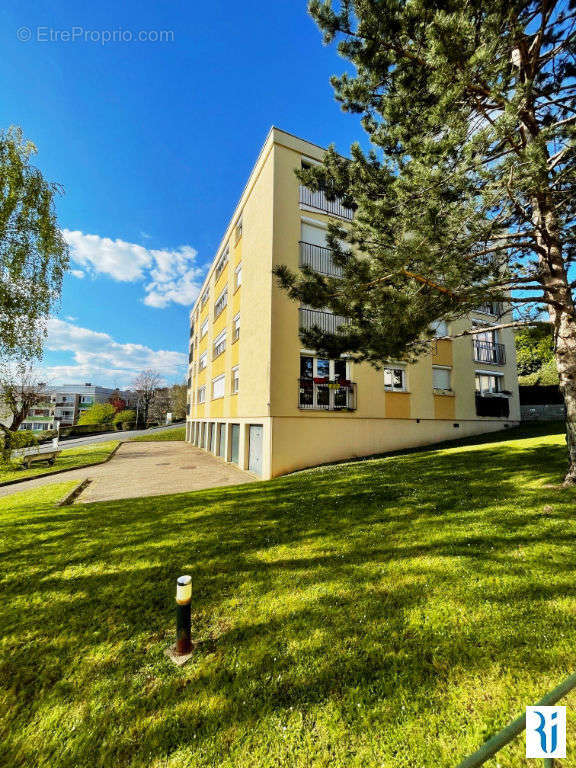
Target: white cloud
column 77, row 273
column 100, row 359
column 169, row 276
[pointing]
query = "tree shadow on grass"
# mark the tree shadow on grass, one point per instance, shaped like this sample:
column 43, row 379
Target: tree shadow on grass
column 364, row 600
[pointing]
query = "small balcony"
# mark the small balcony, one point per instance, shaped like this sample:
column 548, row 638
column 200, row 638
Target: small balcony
column 325, row 395
column 495, row 406
column 318, row 201
column 319, row 259
column 316, row 318
column 489, row 352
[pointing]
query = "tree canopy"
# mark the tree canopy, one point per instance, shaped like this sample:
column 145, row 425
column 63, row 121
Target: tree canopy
column 33, row 252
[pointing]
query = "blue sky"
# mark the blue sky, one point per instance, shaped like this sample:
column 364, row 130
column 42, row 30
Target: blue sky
column 153, row 142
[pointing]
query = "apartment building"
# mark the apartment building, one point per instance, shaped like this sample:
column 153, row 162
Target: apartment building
column 65, row 404
column 258, row 399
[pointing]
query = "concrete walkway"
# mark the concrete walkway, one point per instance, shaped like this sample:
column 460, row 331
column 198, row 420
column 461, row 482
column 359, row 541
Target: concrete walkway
column 145, row 469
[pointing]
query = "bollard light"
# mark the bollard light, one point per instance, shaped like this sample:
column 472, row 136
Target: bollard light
column 183, row 615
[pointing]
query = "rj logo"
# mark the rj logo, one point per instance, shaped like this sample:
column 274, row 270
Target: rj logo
column 545, row 731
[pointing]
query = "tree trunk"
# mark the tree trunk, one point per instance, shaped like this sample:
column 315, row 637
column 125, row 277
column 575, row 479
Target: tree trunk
column 555, row 283
column 565, row 353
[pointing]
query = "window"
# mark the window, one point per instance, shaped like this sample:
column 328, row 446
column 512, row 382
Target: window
column 440, row 328
column 488, row 383
column 395, row 379
column 485, row 337
column 218, row 387
column 204, row 298
column 236, row 328
column 238, row 230
column 221, row 303
column 235, row 380
column 219, row 344
column 324, row 384
column 491, row 308
column 238, row 277
column 441, row 378
column 203, row 361
column 204, row 328
column 202, row 395
column 222, row 261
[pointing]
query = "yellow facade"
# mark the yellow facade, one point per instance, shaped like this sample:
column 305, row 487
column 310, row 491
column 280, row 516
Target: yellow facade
column 279, row 421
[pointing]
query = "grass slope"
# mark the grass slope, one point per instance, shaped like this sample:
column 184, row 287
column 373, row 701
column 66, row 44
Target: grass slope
column 388, row 613
column 70, row 458
column 178, row 433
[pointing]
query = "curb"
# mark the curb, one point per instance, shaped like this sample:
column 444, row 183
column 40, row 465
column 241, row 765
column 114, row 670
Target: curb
column 61, row 471
column 71, row 497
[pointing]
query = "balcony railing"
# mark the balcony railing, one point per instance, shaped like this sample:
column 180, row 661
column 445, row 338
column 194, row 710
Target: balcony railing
column 318, row 200
column 326, row 321
column 496, row 406
column 318, row 258
column 489, row 352
column 325, row 395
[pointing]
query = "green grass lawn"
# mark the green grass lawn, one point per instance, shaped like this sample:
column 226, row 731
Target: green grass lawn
column 178, row 433
column 70, row 458
column 391, row 613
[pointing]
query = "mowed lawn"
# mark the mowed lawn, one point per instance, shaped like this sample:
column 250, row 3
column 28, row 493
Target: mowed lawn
column 70, row 458
column 178, row 433
column 387, row 613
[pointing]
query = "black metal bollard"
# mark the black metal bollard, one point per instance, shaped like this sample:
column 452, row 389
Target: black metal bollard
column 183, row 615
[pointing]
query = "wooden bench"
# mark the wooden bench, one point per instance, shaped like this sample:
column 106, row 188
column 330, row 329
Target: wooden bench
column 48, row 456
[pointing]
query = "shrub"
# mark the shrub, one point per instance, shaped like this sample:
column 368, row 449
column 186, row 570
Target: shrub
column 122, row 418
column 99, row 413
column 12, row 441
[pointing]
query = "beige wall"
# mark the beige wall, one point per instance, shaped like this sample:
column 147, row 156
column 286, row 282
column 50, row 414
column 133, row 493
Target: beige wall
column 304, row 442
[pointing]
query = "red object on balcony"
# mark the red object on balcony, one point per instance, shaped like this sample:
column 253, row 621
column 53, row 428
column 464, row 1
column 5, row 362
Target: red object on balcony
column 321, row 380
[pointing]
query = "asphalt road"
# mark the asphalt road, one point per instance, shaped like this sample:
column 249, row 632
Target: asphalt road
column 77, row 442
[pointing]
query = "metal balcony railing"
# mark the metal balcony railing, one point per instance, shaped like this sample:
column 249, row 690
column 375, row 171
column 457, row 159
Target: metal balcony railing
column 325, row 395
column 318, row 200
column 495, row 406
column 318, row 258
column 489, row 352
column 326, row 321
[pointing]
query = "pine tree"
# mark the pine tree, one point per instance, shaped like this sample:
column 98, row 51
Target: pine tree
column 467, row 195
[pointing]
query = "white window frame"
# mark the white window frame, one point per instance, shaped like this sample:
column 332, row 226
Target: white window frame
column 235, row 379
column 201, row 393
column 205, row 296
column 331, row 377
column 396, row 367
column 202, row 361
column 222, row 299
column 446, row 368
column 204, row 328
column 218, row 380
column 238, row 276
column 497, row 377
column 221, row 264
column 236, row 328
column 219, row 346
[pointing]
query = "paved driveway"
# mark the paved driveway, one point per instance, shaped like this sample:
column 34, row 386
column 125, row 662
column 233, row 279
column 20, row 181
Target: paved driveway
column 146, row 469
